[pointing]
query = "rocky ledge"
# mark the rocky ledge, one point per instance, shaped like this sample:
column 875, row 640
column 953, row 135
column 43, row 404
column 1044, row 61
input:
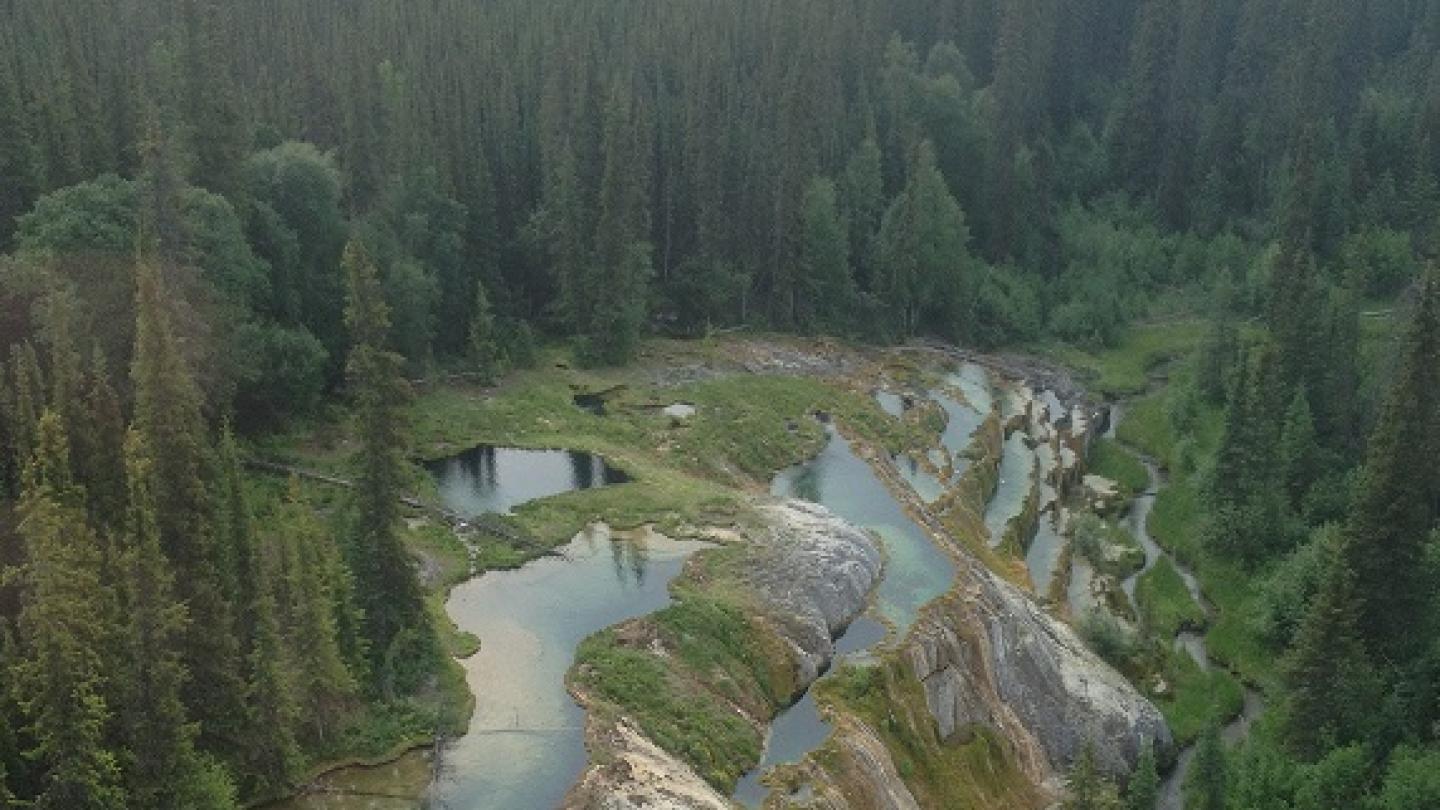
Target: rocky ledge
column 810, row 573
column 990, row 657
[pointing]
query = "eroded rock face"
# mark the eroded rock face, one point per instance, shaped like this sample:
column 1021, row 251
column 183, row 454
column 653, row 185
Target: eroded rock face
column 640, row 776
column 988, row 656
column 868, row 778
column 813, row 573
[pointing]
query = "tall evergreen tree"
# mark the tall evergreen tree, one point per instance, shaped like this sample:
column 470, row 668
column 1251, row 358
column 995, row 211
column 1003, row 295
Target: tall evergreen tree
column 64, row 624
column 862, row 201
column 1331, row 689
column 1085, row 787
column 386, row 585
column 484, row 339
column 160, row 761
column 1394, row 507
column 826, row 288
column 169, row 420
column 1300, row 462
column 271, row 754
column 1144, row 788
column 1205, row 784
column 923, row 244
column 316, row 612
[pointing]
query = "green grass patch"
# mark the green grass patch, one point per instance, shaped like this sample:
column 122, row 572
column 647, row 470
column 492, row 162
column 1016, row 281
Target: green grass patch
column 1166, row 606
column 1125, row 369
column 1109, row 459
column 1146, row 426
column 1197, row 698
column 714, row 740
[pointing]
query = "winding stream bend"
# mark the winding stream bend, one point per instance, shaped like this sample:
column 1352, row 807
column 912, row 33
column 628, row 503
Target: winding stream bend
column 1137, row 521
column 525, row 745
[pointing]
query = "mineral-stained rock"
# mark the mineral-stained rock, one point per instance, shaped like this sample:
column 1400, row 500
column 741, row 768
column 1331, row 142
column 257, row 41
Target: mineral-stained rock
column 989, row 656
column 866, row 778
column 812, row 574
column 639, row 775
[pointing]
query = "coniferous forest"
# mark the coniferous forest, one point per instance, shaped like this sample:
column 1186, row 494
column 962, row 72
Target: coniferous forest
column 221, row 220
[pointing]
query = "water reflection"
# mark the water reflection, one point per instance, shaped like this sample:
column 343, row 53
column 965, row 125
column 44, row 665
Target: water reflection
column 498, row 479
column 525, row 745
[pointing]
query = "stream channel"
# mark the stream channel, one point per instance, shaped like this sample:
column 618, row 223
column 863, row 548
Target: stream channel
column 1137, row 521
column 525, row 744
column 916, row 571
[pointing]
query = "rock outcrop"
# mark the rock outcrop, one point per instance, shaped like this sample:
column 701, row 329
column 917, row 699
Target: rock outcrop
column 812, row 574
column 989, row 656
column 639, row 775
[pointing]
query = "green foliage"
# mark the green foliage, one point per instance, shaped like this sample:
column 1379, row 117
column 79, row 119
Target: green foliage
column 396, row 625
column 1206, row 784
column 1086, row 788
column 924, row 260
column 1166, row 606
column 826, row 292
column 709, row 736
column 1143, row 789
column 281, row 372
column 1109, row 459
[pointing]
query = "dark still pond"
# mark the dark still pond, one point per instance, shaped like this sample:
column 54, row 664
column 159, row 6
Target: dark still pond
column 498, row 479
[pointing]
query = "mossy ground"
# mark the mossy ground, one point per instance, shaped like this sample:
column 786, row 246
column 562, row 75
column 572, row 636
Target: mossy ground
column 1126, row 369
column 1166, row 606
column 979, row 773
column 691, row 675
column 1107, row 458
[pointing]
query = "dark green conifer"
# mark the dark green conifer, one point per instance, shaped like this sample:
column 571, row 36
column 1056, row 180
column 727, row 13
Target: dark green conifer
column 386, row 585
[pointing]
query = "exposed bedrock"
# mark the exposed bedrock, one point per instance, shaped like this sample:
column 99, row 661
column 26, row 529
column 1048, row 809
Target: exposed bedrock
column 989, row 656
column 812, row 575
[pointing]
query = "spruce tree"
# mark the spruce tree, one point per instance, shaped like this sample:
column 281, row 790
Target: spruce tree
column 1394, row 507
column 271, row 755
column 160, row 759
column 1144, row 788
column 826, row 287
column 863, row 203
column 1085, row 787
column 169, row 420
column 1331, row 690
column 1300, row 463
column 1205, row 784
column 617, row 292
column 99, row 448
column 59, row 672
column 386, row 585
column 484, row 339
column 316, row 612
column 923, row 244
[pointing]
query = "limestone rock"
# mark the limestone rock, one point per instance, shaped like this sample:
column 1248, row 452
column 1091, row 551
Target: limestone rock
column 812, row 573
column 990, row 656
column 640, row 776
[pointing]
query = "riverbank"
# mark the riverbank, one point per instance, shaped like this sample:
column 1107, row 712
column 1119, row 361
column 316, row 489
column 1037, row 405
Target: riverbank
column 699, row 429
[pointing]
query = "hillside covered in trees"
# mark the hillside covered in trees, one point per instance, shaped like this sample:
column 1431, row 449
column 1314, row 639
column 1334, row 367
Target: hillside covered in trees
column 221, row 219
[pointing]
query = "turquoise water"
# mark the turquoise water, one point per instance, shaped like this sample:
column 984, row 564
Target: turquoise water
column 525, row 746
column 1017, row 479
column 915, row 573
column 915, row 570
